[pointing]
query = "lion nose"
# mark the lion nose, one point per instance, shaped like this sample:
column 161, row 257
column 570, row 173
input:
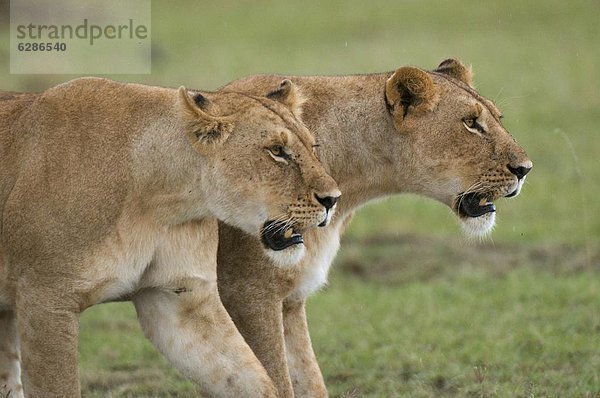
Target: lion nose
column 327, row 201
column 521, row 170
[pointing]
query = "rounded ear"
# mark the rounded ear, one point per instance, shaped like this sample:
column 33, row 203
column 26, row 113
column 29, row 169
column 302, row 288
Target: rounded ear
column 289, row 95
column 454, row 68
column 410, row 90
column 203, row 130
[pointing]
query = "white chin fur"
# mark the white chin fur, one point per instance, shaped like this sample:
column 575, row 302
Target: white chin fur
column 479, row 227
column 288, row 257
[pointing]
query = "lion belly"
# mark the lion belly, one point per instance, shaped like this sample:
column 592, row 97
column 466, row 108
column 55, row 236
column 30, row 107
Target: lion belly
column 116, row 267
column 140, row 256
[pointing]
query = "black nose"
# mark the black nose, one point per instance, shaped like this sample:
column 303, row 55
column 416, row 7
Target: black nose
column 328, row 201
column 520, row 171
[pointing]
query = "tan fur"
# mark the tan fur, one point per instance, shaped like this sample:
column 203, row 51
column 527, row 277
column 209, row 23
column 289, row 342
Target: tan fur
column 290, row 95
column 378, row 135
column 457, row 70
column 108, row 192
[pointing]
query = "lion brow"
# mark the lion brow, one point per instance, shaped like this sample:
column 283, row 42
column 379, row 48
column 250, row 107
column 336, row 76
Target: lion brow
column 306, row 138
column 484, row 101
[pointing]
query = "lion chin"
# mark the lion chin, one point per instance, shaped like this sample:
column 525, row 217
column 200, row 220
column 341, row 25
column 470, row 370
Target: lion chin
column 288, row 257
column 478, row 227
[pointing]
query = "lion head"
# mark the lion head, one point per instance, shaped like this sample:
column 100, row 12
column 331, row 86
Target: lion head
column 262, row 173
column 454, row 146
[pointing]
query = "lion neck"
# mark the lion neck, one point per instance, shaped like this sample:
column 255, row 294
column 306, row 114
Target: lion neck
column 168, row 174
column 359, row 146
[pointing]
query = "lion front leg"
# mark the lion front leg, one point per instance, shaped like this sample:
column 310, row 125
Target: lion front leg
column 307, row 379
column 10, row 367
column 47, row 322
column 190, row 327
column 259, row 320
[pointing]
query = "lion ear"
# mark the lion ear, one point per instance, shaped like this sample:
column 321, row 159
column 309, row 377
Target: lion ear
column 204, row 131
column 410, row 90
column 454, row 68
column 290, row 95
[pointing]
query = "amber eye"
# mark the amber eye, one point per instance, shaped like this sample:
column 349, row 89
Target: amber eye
column 469, row 122
column 279, row 153
column 277, row 150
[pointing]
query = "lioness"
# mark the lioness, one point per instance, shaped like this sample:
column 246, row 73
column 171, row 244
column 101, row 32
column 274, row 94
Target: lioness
column 108, row 192
column 410, row 130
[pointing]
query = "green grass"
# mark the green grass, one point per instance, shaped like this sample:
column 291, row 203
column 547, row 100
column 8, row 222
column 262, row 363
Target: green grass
column 407, row 315
column 431, row 338
column 457, row 320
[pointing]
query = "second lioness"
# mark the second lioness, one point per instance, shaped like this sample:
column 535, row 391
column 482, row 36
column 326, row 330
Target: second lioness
column 108, row 192
column 410, row 130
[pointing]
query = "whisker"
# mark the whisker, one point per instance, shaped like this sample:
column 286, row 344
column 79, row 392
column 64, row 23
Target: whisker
column 286, row 225
column 276, row 222
column 473, row 188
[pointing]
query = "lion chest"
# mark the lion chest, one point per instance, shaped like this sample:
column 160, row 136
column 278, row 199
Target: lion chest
column 321, row 250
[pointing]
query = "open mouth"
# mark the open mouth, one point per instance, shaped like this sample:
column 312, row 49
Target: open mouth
column 474, row 205
column 276, row 236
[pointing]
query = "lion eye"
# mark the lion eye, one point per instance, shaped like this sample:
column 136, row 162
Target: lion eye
column 277, row 150
column 472, row 125
column 279, row 153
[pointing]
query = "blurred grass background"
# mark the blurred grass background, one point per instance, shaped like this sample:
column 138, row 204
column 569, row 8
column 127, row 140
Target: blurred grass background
column 413, row 309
